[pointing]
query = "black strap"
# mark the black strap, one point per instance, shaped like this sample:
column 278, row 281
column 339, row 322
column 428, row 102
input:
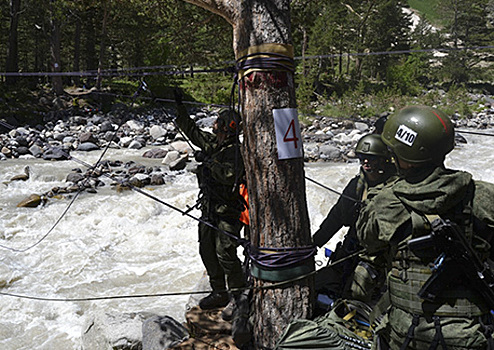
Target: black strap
column 411, row 330
column 438, row 337
column 488, row 329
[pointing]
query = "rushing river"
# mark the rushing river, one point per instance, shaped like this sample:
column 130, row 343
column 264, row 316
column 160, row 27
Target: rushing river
column 114, row 244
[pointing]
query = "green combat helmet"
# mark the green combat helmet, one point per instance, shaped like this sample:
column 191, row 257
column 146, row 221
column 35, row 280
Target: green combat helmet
column 419, row 134
column 373, row 145
column 230, row 119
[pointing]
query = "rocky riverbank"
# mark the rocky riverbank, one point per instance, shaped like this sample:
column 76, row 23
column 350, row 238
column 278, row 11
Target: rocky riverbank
column 89, row 130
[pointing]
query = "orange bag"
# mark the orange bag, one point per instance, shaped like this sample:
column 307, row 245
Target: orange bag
column 244, row 216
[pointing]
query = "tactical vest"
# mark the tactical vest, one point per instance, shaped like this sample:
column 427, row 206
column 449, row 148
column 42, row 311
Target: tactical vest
column 409, row 272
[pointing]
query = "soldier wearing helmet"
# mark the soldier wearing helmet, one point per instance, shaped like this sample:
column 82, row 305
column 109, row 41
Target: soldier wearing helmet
column 454, row 315
column 221, row 167
column 375, row 169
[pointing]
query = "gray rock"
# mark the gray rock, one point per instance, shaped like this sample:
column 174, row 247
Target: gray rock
column 155, row 153
column 22, row 150
column 56, row 153
column 342, row 139
column 140, row 180
column 108, row 331
column 110, row 135
column 135, row 145
column 329, row 152
column 157, row 180
column 171, row 157
column 160, row 333
column 87, row 146
column 157, row 131
column 135, row 125
column 68, row 139
column 22, row 140
column 179, row 164
column 362, row 127
column 311, row 151
column 181, row 146
column 88, row 137
column 125, row 141
column 74, row 177
column 106, row 126
column 59, row 136
column 206, row 122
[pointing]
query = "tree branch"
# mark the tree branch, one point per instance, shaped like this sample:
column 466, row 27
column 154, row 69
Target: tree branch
column 223, row 8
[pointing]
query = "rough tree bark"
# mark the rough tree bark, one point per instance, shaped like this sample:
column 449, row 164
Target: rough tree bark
column 55, row 39
column 278, row 208
column 12, row 64
column 106, row 14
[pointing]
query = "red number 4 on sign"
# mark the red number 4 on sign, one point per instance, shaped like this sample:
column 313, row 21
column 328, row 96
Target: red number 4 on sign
column 291, row 134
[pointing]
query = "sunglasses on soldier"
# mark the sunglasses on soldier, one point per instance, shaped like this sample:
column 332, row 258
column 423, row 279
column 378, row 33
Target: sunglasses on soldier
column 369, row 157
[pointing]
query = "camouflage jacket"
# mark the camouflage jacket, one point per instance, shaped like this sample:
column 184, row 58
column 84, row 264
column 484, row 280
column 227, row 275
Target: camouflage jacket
column 438, row 192
column 219, row 174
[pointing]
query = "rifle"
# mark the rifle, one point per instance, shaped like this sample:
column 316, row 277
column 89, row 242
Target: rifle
column 456, row 255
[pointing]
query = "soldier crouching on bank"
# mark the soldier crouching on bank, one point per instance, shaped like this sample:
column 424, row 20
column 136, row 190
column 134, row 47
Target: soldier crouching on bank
column 435, row 227
column 359, row 277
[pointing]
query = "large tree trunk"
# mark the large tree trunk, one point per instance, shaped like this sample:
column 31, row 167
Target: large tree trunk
column 55, row 49
column 278, row 208
column 12, row 64
column 77, row 50
column 102, row 47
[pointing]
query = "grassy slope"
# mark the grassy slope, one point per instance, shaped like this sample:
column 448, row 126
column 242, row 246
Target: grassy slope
column 428, row 9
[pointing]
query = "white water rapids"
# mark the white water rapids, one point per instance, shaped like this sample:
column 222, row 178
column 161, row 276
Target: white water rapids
column 113, row 244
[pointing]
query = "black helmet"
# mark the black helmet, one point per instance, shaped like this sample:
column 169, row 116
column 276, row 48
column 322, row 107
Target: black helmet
column 419, row 134
column 230, row 119
column 373, row 145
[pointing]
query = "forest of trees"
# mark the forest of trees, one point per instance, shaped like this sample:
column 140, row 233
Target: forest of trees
column 340, row 46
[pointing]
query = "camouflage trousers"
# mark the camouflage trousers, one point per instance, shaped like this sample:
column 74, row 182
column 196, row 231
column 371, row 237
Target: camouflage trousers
column 219, row 255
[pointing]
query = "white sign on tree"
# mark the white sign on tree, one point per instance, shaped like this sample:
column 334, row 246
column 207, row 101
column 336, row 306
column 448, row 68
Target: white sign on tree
column 288, row 137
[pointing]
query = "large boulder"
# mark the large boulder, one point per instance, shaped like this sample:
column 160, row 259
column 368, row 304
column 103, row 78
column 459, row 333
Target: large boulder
column 157, row 131
column 179, row 164
column 56, row 153
column 155, row 153
column 32, row 201
column 87, row 147
column 109, row 331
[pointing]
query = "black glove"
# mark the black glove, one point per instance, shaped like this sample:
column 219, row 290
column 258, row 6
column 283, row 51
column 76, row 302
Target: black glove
column 200, row 156
column 178, row 96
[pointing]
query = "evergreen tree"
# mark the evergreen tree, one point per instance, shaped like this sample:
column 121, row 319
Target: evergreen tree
column 467, row 26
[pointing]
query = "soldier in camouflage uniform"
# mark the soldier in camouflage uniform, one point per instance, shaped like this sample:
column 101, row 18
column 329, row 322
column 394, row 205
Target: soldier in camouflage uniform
column 458, row 317
column 364, row 279
column 218, row 175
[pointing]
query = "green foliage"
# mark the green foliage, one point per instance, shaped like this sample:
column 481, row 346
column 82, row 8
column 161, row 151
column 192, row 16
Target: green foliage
column 404, row 76
column 333, row 36
column 359, row 103
column 457, row 101
column 209, row 89
column 429, row 10
column 468, row 26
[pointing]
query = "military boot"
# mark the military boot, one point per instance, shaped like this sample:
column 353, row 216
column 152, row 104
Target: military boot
column 227, row 313
column 214, row 300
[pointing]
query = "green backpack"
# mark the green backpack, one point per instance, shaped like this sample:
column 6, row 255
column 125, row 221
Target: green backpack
column 345, row 327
